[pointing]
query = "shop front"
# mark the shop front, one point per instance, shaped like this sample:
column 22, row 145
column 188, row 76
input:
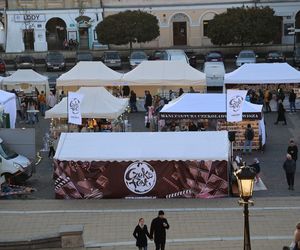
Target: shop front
column 43, row 30
column 142, row 165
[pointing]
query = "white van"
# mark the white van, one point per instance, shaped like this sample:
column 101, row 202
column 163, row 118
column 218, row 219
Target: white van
column 13, row 166
column 176, row 55
column 215, row 72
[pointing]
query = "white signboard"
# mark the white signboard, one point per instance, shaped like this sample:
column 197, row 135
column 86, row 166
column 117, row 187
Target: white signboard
column 30, row 18
column 235, row 100
column 74, row 112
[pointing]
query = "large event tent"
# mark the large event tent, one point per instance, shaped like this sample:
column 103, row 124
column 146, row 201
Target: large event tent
column 89, row 74
column 26, row 77
column 97, row 103
column 8, row 102
column 263, row 73
column 164, row 73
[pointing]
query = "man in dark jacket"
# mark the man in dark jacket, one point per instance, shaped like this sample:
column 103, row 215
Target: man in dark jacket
column 281, row 113
column 289, row 167
column 148, row 100
column 293, row 150
column 158, row 230
column 292, row 100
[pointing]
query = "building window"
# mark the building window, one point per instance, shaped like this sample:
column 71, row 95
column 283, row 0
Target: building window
column 205, row 27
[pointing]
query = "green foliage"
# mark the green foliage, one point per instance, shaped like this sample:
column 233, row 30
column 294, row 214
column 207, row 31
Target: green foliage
column 244, row 26
column 128, row 27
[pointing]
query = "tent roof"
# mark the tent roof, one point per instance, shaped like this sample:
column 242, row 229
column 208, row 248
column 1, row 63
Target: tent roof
column 172, row 73
column 97, row 103
column 263, row 73
column 134, row 146
column 25, row 76
column 89, row 74
column 6, row 96
column 204, row 103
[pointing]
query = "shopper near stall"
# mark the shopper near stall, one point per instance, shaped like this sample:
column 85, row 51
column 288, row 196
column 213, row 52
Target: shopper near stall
column 293, row 150
column 249, row 135
column 126, row 91
column 191, row 90
column 53, row 140
column 158, row 230
column 267, row 99
column 51, row 100
column 280, row 113
column 280, row 94
column 148, row 100
column 62, row 95
column 180, row 92
column 42, row 103
column 289, row 167
column 132, row 101
column 141, row 233
column 256, row 167
column 292, row 101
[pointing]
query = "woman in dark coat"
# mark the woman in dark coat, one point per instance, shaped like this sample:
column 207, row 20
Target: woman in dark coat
column 281, row 113
column 141, row 233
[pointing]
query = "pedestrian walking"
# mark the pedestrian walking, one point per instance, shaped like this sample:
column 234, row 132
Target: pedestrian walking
column 51, row 100
column 132, row 101
column 280, row 113
column 141, row 233
column 158, row 230
column 249, row 135
column 42, row 103
column 295, row 245
column 292, row 101
column 52, row 145
column 289, row 167
column 267, row 99
column 293, row 150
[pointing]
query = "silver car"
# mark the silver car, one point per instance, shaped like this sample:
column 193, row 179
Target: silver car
column 245, row 56
column 136, row 57
column 112, row 59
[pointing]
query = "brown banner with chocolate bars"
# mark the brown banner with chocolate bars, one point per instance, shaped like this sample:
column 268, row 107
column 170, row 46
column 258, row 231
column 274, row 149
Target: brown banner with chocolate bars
column 140, row 179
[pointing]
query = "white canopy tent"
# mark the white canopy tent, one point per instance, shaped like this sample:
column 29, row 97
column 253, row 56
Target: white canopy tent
column 8, row 102
column 263, row 73
column 132, row 147
column 89, row 74
column 97, row 103
column 164, row 73
column 204, row 103
column 26, row 77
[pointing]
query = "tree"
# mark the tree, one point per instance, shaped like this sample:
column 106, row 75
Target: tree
column 128, row 27
column 244, row 26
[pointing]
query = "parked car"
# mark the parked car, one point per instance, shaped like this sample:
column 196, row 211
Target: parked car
column 245, row 56
column 158, row 55
column 2, row 66
column 296, row 59
column 55, row 61
column 275, row 56
column 112, row 59
column 24, row 62
column 215, row 72
column 84, row 56
column 13, row 166
column 136, row 57
column 214, row 56
column 177, row 55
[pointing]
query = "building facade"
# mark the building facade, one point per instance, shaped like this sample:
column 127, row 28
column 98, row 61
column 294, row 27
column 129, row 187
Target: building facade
column 38, row 25
column 42, row 25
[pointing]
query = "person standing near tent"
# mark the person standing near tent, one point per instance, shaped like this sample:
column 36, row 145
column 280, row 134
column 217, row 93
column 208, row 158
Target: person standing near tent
column 42, row 102
column 148, row 100
column 180, row 92
column 289, row 167
column 158, row 230
column 280, row 113
column 132, row 101
column 249, row 135
column 267, row 99
column 51, row 100
column 140, row 234
column 292, row 100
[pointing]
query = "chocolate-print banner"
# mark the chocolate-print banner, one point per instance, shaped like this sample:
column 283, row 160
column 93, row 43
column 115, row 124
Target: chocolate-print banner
column 152, row 179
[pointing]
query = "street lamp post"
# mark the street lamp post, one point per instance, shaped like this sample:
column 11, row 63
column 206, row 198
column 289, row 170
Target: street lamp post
column 245, row 178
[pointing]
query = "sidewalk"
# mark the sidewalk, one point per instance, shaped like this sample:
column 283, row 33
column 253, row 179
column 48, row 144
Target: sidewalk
column 194, row 224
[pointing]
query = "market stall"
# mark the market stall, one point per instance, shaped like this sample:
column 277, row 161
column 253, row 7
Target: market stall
column 208, row 112
column 161, row 76
column 262, row 76
column 26, row 81
column 8, row 109
column 97, row 104
column 142, row 165
column 88, row 74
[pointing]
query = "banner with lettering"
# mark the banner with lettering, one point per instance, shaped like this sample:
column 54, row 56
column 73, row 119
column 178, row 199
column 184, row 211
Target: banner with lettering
column 234, row 104
column 74, row 112
column 140, row 179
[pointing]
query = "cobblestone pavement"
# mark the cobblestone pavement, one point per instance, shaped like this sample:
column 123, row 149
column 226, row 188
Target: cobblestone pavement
column 194, row 224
